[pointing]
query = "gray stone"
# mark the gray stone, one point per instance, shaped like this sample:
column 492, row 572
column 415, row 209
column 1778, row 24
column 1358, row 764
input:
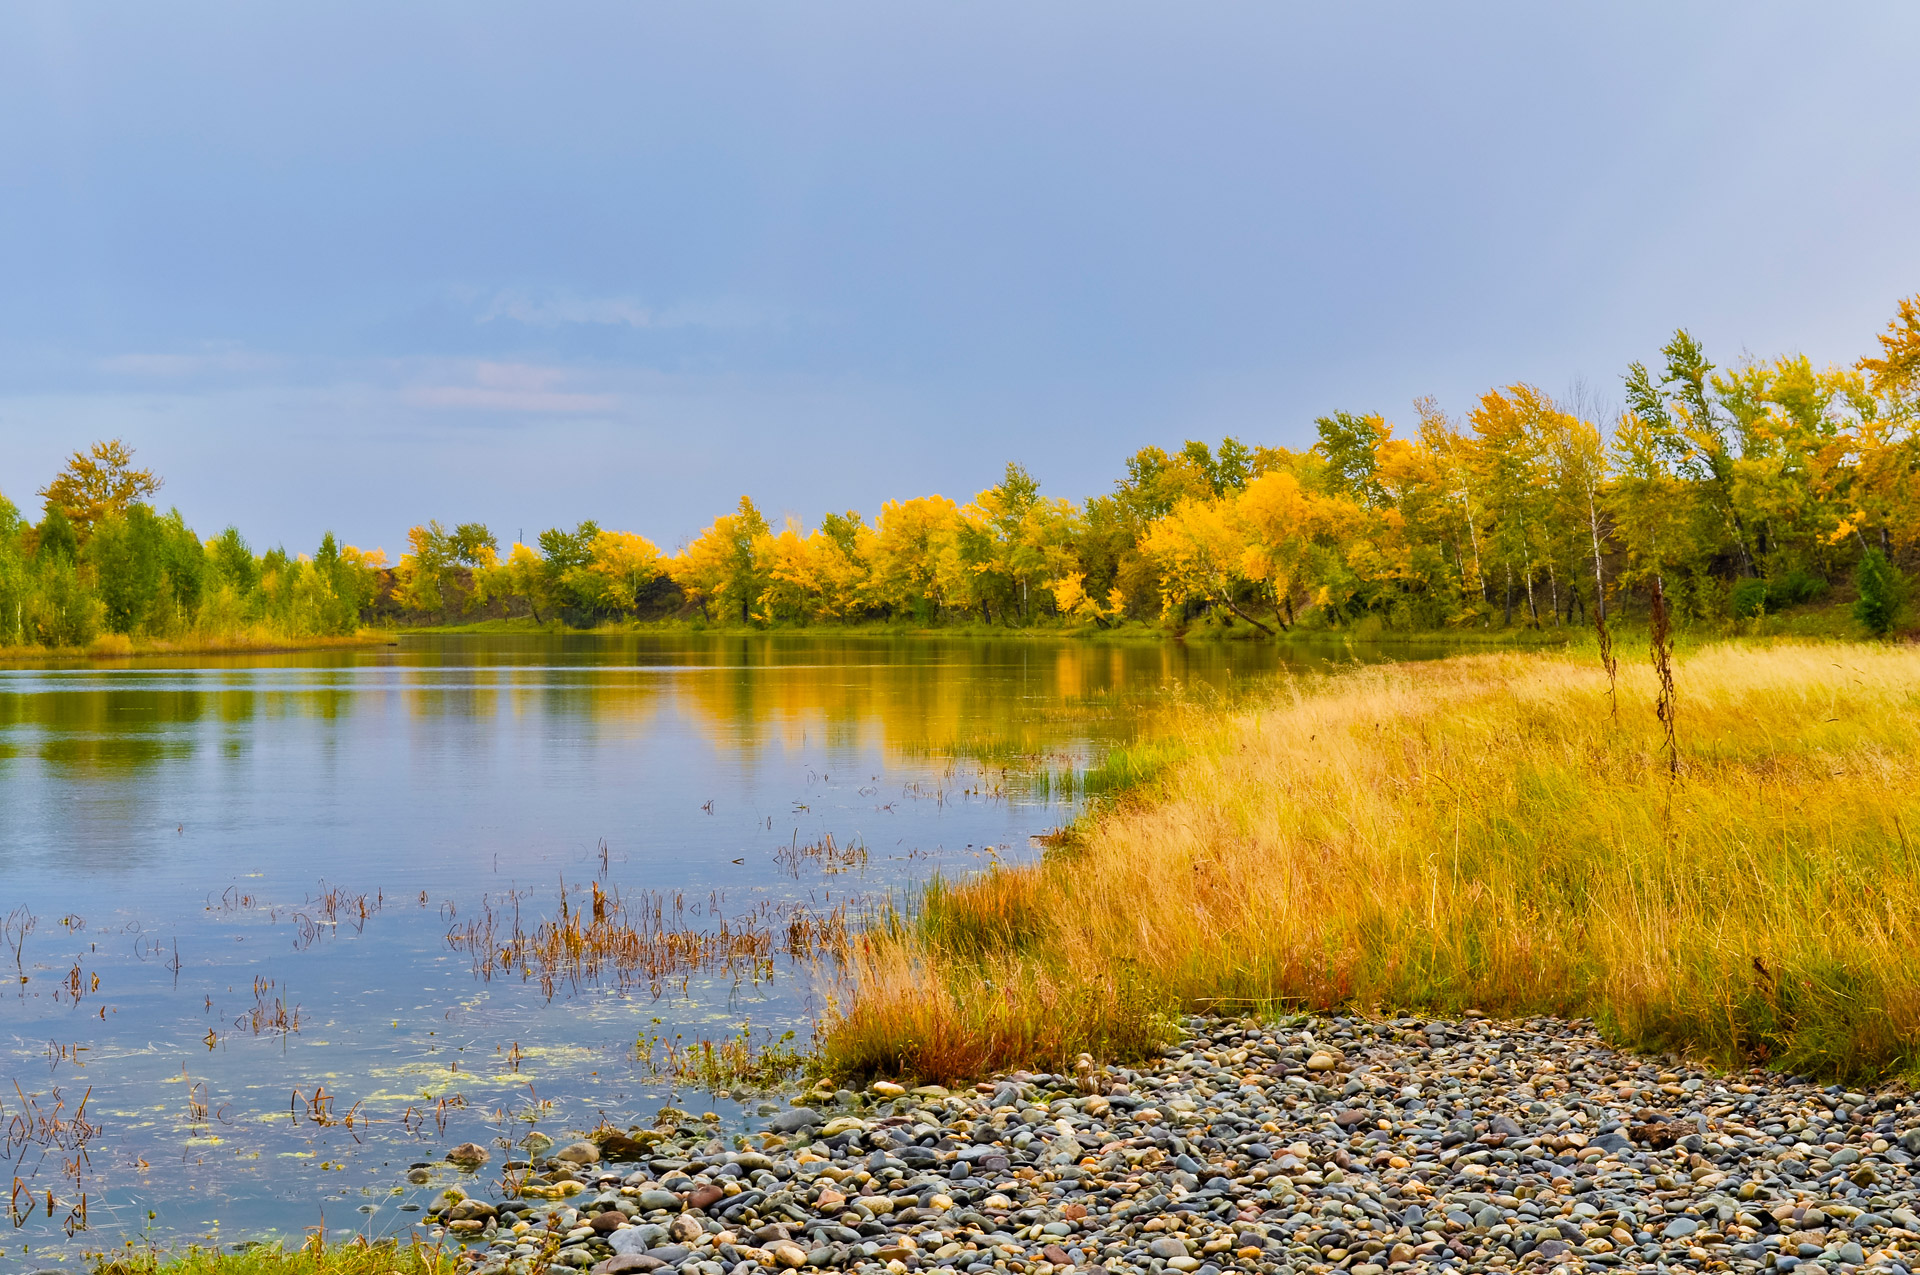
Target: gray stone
column 627, row 1264
column 794, row 1119
column 1680, row 1228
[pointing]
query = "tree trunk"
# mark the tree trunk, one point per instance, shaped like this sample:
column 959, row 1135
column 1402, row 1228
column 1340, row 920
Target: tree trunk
column 1228, row 604
column 1593, row 529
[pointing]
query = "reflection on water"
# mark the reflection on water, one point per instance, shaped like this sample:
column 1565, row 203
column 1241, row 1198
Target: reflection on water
column 277, row 920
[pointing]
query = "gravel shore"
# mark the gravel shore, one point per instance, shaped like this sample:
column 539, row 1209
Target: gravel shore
column 1330, row 1144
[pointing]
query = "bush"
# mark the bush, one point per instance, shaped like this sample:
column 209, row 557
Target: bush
column 1880, row 588
column 1750, row 598
column 1793, row 588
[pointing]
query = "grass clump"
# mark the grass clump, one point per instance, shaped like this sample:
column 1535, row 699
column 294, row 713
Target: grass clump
column 356, row 1257
column 1472, row 833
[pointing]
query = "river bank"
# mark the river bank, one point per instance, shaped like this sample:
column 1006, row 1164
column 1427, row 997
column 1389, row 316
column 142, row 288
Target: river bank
column 1513, row 833
column 1312, row 1145
column 118, row 646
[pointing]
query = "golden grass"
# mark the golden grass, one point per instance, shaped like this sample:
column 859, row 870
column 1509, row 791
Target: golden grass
column 1470, row 833
column 356, row 1257
column 256, row 639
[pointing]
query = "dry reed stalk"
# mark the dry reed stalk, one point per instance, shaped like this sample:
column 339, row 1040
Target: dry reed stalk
column 1605, row 636
column 1666, row 705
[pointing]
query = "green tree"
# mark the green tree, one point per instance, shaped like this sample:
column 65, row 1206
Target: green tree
column 125, row 552
column 58, row 542
column 234, row 560
column 184, row 560
column 13, row 576
column 1350, row 445
column 564, row 559
column 1880, row 588
column 1681, row 420
column 472, row 545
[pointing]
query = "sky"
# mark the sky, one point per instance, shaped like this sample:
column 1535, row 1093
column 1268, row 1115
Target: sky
column 353, row 266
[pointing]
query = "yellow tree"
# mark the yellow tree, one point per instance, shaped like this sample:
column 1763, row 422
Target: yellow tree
column 1508, row 463
column 1457, row 517
column 1071, row 599
column 797, row 575
column 622, row 566
column 98, row 483
column 1281, row 526
column 1883, row 452
column 520, row 576
column 420, row 576
column 915, row 564
column 842, row 558
column 1023, row 538
column 1200, row 552
column 720, row 566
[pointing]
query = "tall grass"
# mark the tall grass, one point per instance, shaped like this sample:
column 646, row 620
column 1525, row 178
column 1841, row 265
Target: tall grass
column 1473, row 833
column 315, row 1257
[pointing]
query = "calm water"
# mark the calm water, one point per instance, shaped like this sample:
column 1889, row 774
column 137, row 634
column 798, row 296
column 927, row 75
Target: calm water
column 236, row 889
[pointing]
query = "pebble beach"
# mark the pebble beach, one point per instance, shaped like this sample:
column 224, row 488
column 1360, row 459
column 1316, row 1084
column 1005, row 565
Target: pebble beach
column 1365, row 1146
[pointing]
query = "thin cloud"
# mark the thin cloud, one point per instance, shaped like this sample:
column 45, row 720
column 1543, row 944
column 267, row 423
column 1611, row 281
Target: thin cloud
column 174, row 366
column 511, row 387
column 564, row 310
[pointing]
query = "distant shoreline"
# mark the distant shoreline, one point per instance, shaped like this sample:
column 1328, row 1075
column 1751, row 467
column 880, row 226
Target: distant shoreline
column 118, row 647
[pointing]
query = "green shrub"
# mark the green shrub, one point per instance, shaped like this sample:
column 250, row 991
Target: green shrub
column 1750, row 598
column 1796, row 586
column 1880, row 588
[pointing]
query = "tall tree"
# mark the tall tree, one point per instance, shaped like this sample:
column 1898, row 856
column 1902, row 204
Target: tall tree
column 98, row 483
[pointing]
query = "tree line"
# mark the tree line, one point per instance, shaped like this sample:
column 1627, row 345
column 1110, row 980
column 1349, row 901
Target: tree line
column 1735, row 490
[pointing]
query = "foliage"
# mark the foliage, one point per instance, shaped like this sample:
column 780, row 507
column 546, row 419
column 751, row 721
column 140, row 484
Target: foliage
column 1880, row 592
column 101, row 562
column 98, row 483
column 1735, row 492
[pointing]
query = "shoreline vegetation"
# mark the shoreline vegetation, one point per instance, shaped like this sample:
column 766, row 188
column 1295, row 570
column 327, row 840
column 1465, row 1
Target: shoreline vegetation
column 1718, row 496
column 118, row 646
column 1480, row 833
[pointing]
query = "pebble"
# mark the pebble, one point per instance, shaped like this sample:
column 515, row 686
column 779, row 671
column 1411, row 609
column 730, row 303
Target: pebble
column 1372, row 1147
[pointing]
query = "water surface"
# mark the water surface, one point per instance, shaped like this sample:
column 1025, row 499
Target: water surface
column 241, row 889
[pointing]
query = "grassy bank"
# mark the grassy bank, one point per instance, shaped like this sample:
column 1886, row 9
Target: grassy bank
column 1474, row 833
column 256, row 641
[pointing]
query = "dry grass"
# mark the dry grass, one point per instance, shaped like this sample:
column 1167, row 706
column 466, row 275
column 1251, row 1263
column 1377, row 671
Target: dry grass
column 357, row 1257
column 258, row 639
column 1473, row 833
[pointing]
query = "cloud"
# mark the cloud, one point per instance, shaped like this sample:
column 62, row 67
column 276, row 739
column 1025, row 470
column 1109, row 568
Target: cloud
column 566, row 309
column 511, row 387
column 228, row 359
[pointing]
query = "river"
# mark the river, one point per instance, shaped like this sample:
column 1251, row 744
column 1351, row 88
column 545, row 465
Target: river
column 254, row 908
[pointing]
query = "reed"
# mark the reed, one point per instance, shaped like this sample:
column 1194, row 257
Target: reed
column 1471, row 833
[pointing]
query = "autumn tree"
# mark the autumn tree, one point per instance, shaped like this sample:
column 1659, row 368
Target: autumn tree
column 720, row 565
column 98, row 483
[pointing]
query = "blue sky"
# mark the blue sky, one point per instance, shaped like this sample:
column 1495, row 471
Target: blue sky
column 355, row 266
